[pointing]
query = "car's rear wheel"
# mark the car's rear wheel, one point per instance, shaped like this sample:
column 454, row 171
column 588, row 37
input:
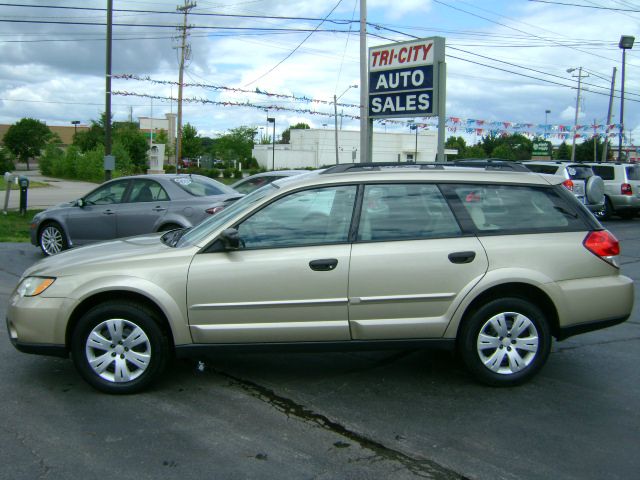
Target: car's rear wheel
column 505, row 342
column 52, row 239
column 119, row 347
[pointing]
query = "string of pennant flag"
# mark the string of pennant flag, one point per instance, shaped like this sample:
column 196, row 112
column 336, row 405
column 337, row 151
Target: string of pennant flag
column 478, row 127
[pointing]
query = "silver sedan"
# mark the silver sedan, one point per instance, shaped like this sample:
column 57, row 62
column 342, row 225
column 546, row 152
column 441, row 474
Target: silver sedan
column 130, row 206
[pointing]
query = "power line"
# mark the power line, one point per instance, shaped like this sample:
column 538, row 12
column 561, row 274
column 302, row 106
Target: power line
column 586, row 6
column 295, row 49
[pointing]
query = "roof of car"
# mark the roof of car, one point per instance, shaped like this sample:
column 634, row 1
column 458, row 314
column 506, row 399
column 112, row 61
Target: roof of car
column 411, row 172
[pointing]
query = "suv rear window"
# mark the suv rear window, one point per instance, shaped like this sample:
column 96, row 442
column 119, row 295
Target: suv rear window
column 516, row 209
column 633, row 172
column 579, row 172
column 604, row 171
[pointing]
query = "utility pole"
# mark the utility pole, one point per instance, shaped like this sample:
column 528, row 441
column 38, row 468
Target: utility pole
column 575, row 122
column 606, row 141
column 365, row 124
column 184, row 54
column 109, row 163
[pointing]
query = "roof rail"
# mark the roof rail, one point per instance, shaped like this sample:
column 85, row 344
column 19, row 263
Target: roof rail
column 487, row 164
column 492, row 164
column 345, row 167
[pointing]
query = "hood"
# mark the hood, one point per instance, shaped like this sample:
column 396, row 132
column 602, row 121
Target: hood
column 113, row 252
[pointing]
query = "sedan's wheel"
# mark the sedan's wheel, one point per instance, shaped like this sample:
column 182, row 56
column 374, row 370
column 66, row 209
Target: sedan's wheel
column 119, row 347
column 505, row 342
column 52, row 239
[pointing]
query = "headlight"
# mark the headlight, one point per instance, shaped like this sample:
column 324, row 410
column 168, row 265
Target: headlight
column 32, row 286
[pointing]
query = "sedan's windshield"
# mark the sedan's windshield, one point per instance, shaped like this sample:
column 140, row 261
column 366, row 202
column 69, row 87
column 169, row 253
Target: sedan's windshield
column 196, row 234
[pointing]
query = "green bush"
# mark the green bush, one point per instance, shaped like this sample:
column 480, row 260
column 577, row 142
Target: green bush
column 227, row 173
column 6, row 164
column 169, row 169
column 237, row 174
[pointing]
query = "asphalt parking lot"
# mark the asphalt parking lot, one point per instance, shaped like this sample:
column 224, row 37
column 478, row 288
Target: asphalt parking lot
column 393, row 414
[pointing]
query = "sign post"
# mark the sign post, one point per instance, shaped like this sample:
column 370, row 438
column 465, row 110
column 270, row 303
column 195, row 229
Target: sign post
column 406, row 79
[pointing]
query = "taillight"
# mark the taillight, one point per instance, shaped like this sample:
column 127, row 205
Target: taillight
column 214, row 210
column 568, row 183
column 603, row 244
column 625, row 189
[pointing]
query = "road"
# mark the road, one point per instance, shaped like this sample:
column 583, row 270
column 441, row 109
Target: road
column 399, row 414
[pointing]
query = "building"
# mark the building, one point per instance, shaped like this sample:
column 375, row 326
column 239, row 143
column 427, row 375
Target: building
column 154, row 125
column 64, row 132
column 316, row 148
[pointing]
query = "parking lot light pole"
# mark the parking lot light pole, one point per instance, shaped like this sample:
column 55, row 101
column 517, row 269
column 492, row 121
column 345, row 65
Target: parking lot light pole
column 335, row 114
column 626, row 43
column 273, row 143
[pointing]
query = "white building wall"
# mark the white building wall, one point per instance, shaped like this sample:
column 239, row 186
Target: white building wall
column 316, row 148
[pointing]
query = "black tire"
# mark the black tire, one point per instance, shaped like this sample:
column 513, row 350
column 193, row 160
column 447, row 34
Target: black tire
column 607, row 210
column 52, row 239
column 489, row 351
column 119, row 347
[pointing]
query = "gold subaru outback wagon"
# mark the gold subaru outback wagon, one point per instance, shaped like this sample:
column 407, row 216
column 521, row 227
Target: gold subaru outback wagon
column 487, row 261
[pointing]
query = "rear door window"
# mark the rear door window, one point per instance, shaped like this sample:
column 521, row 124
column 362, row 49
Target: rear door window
column 405, row 212
column 579, row 172
column 516, row 208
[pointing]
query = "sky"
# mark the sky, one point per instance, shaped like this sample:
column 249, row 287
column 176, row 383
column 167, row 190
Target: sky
column 507, row 61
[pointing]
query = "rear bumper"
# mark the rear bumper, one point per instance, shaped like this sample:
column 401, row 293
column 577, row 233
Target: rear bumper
column 567, row 332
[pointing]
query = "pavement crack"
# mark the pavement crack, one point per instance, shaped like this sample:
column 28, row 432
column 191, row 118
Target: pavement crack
column 420, row 467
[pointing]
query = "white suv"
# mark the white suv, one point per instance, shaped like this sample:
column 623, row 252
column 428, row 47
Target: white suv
column 621, row 188
column 490, row 263
column 579, row 179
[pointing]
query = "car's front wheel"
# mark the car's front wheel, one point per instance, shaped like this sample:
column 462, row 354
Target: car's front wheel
column 505, row 342
column 119, row 347
column 52, row 239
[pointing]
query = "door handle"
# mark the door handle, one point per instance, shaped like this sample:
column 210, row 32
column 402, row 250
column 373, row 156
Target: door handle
column 462, row 257
column 323, row 265
column 108, row 212
column 158, row 209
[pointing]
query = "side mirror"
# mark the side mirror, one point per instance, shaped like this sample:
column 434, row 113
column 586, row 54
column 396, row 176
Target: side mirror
column 231, row 239
column 80, row 203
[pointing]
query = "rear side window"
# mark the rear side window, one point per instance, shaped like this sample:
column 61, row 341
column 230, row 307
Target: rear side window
column 201, row 186
column 405, row 212
column 516, row 209
column 579, row 172
column 633, row 172
column 604, row 171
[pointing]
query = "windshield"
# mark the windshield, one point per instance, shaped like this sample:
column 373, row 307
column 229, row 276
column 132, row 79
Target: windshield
column 197, row 233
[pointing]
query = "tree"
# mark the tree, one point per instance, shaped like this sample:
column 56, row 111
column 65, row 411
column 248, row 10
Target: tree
column 457, row 143
column 6, row 165
column 131, row 138
column 286, row 134
column 504, row 152
column 584, row 150
column 162, row 137
column 93, row 137
column 191, row 143
column 563, row 152
column 26, row 139
column 235, row 145
column 475, row 151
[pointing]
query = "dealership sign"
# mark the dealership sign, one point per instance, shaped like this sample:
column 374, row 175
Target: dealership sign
column 403, row 78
